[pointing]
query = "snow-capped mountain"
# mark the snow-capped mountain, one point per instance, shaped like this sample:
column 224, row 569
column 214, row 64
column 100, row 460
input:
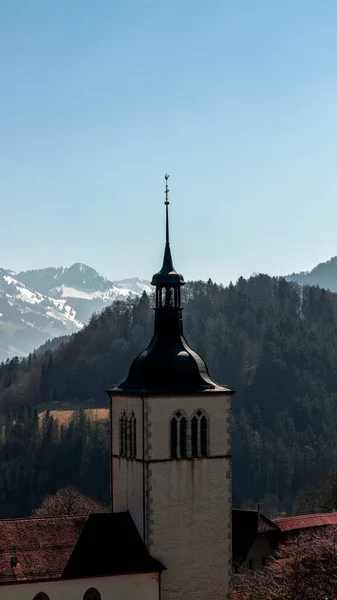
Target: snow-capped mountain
column 44, row 303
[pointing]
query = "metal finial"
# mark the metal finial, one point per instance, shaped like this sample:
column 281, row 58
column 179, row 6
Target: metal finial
column 167, row 205
column 166, row 190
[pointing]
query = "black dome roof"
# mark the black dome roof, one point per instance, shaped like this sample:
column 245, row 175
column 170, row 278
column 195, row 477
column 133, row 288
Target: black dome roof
column 168, row 366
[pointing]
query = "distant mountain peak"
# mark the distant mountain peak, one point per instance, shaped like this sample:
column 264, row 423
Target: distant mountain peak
column 82, row 268
column 324, row 275
column 40, row 304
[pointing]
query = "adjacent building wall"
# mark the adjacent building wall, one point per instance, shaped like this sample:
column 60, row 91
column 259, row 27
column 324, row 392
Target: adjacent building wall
column 121, row 587
column 258, row 553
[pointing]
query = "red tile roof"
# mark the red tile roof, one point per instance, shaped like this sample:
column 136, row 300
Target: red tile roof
column 306, row 521
column 71, row 546
column 42, row 546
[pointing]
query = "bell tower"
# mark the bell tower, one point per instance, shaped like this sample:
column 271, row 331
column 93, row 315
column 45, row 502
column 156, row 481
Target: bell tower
column 171, row 453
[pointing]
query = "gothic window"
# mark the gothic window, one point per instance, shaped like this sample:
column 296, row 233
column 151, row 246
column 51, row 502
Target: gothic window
column 122, row 434
column 41, row 596
column 203, row 436
column 183, row 437
column 174, row 437
column 199, row 434
column 194, row 436
column 92, row 594
column 178, row 435
column 133, row 435
column 128, row 437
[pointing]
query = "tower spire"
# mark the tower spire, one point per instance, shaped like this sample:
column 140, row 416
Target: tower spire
column 167, row 205
column 168, row 365
column 167, row 273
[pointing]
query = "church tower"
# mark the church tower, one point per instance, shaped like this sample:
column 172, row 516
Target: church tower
column 171, row 453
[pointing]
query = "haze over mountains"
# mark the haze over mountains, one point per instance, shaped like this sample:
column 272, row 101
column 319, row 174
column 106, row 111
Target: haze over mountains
column 41, row 304
column 324, row 275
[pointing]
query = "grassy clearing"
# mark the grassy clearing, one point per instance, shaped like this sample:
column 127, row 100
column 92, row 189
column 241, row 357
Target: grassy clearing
column 63, row 417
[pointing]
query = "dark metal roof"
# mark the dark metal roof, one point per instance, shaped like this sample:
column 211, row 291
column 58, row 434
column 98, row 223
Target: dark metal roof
column 168, row 366
column 167, row 274
column 110, row 545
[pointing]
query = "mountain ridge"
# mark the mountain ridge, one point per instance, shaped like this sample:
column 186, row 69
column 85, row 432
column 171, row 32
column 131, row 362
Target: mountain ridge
column 324, row 275
column 37, row 305
column 40, row 304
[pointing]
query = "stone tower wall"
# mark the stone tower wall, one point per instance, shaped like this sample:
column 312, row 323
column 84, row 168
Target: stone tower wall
column 189, row 502
column 128, row 479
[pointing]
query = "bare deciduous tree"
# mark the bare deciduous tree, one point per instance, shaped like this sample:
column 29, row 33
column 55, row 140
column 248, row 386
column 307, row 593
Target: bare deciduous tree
column 68, row 501
column 305, row 569
column 321, row 497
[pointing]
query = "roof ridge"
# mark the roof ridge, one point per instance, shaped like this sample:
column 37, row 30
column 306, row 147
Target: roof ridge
column 250, row 510
column 47, row 518
column 309, row 516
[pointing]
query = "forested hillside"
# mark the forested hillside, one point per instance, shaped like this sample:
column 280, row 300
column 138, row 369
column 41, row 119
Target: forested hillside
column 270, row 340
column 38, row 457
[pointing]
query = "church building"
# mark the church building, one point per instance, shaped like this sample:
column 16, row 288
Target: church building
column 169, row 535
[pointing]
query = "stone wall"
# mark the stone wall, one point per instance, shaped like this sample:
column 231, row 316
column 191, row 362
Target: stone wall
column 189, row 502
column 121, row 587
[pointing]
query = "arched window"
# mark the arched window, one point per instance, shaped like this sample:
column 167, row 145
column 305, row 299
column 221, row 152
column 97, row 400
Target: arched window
column 178, row 435
column 41, row 596
column 203, row 436
column 127, row 435
column 133, row 435
column 122, row 434
column 194, row 436
column 92, row 594
column 128, row 438
column 183, row 437
column 168, row 297
column 174, row 437
column 199, row 434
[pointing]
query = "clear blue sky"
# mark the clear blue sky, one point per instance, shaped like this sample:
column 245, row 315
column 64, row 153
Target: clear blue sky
column 237, row 100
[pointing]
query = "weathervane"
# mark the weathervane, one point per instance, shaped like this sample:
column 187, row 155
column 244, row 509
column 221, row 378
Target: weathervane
column 167, row 205
column 166, row 190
